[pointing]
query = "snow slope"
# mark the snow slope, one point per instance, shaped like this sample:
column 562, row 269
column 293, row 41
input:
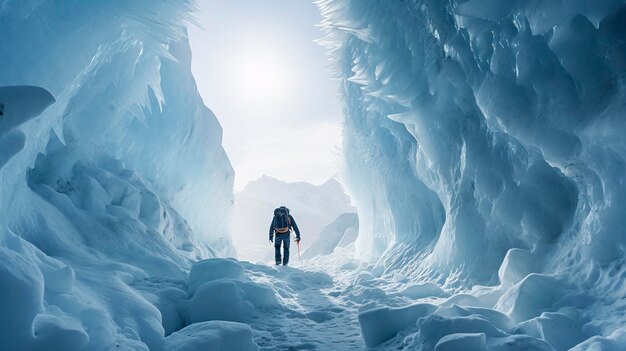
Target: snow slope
column 312, row 206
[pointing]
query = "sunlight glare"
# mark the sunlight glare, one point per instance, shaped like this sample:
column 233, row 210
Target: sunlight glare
column 262, row 77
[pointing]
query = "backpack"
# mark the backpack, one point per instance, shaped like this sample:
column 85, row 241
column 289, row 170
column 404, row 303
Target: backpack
column 281, row 220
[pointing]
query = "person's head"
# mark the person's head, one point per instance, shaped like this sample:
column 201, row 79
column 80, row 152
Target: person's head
column 281, row 209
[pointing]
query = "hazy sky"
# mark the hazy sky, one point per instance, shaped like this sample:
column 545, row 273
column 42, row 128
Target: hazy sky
column 269, row 85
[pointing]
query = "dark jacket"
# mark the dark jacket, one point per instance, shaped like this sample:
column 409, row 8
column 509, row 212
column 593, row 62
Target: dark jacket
column 293, row 225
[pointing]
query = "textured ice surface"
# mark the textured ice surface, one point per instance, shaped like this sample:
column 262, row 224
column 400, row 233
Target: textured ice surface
column 112, row 175
column 483, row 142
column 484, row 148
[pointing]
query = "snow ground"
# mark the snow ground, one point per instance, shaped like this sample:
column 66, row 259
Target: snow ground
column 314, row 316
column 333, row 302
column 299, row 307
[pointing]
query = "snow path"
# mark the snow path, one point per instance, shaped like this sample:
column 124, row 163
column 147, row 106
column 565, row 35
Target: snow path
column 320, row 300
column 335, row 302
column 316, row 314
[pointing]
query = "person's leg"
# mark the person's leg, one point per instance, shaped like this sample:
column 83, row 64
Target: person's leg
column 277, row 248
column 286, row 243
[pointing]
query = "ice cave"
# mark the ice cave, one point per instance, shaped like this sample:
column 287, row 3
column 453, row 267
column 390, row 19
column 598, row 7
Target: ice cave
column 483, row 161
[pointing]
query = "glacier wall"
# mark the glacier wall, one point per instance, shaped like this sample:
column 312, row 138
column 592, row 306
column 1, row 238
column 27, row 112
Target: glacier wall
column 476, row 127
column 107, row 155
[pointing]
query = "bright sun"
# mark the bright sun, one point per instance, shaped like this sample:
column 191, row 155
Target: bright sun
column 262, row 77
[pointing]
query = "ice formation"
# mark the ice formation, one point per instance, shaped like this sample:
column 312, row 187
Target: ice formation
column 113, row 179
column 484, row 150
column 485, row 136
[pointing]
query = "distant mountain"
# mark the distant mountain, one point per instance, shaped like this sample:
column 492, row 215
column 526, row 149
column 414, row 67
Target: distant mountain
column 313, row 207
column 343, row 231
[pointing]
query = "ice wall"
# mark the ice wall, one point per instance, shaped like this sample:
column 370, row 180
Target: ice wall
column 474, row 127
column 111, row 171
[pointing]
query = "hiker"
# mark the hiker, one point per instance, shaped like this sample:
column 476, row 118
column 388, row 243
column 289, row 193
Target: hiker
column 281, row 226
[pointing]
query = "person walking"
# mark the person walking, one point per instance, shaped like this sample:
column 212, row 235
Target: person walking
column 281, row 226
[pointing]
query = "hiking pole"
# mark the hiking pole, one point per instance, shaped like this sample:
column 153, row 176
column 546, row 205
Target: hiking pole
column 298, row 243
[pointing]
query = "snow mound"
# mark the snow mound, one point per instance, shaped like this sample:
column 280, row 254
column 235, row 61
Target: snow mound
column 214, row 335
column 530, row 297
column 220, row 290
column 381, row 324
column 540, row 312
column 418, row 291
column 211, row 269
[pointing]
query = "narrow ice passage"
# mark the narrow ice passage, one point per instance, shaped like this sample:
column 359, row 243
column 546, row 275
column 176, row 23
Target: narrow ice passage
column 483, row 147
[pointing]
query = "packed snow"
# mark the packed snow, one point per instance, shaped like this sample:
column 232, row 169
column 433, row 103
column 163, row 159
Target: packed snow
column 483, row 149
